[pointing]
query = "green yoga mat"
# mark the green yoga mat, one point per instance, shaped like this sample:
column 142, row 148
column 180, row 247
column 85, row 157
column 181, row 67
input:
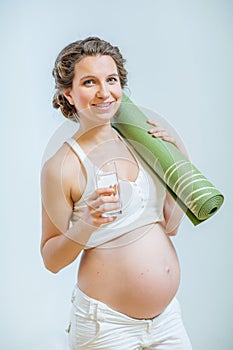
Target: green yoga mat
column 198, row 198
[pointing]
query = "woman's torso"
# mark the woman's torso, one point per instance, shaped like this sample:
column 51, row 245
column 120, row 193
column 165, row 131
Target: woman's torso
column 137, row 273
column 138, row 278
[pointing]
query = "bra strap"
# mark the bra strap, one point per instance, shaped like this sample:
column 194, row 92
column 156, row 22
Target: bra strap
column 77, row 149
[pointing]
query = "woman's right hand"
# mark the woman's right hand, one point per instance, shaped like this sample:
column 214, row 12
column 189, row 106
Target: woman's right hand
column 61, row 242
column 100, row 202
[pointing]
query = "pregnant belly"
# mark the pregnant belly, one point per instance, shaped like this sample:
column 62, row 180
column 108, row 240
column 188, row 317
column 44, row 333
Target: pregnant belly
column 138, row 279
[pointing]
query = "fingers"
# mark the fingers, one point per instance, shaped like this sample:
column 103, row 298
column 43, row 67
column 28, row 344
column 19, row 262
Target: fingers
column 103, row 204
column 100, row 202
column 108, row 191
column 151, row 122
column 159, row 132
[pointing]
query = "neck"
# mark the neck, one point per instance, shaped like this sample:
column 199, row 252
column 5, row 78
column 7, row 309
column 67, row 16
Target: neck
column 95, row 133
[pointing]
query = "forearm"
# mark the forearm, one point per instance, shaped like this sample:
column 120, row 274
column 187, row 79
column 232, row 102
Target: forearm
column 61, row 250
column 173, row 215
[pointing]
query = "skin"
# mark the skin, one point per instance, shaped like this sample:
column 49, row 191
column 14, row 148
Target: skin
column 112, row 273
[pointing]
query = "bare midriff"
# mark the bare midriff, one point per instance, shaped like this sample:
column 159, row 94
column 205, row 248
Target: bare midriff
column 136, row 274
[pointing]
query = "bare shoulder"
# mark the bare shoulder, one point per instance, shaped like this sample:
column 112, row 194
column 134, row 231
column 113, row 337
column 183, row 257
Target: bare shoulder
column 64, row 169
column 61, row 162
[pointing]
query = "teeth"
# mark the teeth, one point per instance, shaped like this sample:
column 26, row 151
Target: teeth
column 103, row 104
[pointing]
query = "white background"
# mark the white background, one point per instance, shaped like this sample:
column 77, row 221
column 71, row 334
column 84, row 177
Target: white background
column 179, row 57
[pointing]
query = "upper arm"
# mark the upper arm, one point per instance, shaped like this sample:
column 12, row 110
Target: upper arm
column 56, row 183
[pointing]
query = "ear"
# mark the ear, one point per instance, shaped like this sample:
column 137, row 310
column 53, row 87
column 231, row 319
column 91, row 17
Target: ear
column 68, row 96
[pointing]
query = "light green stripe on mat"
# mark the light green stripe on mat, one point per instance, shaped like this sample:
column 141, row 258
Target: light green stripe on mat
column 194, row 193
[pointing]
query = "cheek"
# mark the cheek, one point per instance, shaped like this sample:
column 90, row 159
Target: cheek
column 117, row 91
column 82, row 100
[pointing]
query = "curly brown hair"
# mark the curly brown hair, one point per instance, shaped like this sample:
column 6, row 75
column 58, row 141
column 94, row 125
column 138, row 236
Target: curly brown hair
column 64, row 68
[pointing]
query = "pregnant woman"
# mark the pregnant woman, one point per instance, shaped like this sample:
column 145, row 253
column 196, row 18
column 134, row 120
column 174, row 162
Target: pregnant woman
column 129, row 274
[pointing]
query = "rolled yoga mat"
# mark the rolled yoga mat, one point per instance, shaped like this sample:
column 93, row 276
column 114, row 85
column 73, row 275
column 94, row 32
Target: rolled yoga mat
column 198, row 198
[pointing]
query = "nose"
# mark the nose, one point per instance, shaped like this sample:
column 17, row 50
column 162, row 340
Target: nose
column 103, row 91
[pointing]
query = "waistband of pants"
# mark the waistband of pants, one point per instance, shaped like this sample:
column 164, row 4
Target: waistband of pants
column 95, row 309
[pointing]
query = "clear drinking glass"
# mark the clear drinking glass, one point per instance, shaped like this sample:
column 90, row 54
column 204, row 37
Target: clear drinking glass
column 107, row 178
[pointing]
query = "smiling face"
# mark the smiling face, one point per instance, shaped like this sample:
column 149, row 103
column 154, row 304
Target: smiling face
column 96, row 90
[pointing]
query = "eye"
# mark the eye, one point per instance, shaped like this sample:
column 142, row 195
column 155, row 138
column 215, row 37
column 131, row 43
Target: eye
column 112, row 80
column 89, row 82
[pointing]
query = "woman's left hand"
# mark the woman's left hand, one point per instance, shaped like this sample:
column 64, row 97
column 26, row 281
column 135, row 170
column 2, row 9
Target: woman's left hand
column 159, row 132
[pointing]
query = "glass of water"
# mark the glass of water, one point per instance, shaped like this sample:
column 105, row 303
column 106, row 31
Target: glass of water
column 107, row 178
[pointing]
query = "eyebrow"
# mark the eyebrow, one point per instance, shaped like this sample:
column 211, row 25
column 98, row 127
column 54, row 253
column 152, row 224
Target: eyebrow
column 94, row 77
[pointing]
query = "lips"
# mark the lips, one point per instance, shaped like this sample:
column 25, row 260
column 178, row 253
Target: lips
column 104, row 105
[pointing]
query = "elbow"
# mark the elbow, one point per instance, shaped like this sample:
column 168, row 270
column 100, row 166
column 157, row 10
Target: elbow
column 50, row 267
column 169, row 231
column 173, row 233
column 49, row 264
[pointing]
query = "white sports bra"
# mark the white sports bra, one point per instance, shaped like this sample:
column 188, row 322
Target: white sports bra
column 141, row 201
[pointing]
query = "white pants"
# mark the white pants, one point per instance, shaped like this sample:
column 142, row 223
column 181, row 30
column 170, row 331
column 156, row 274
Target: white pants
column 94, row 325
